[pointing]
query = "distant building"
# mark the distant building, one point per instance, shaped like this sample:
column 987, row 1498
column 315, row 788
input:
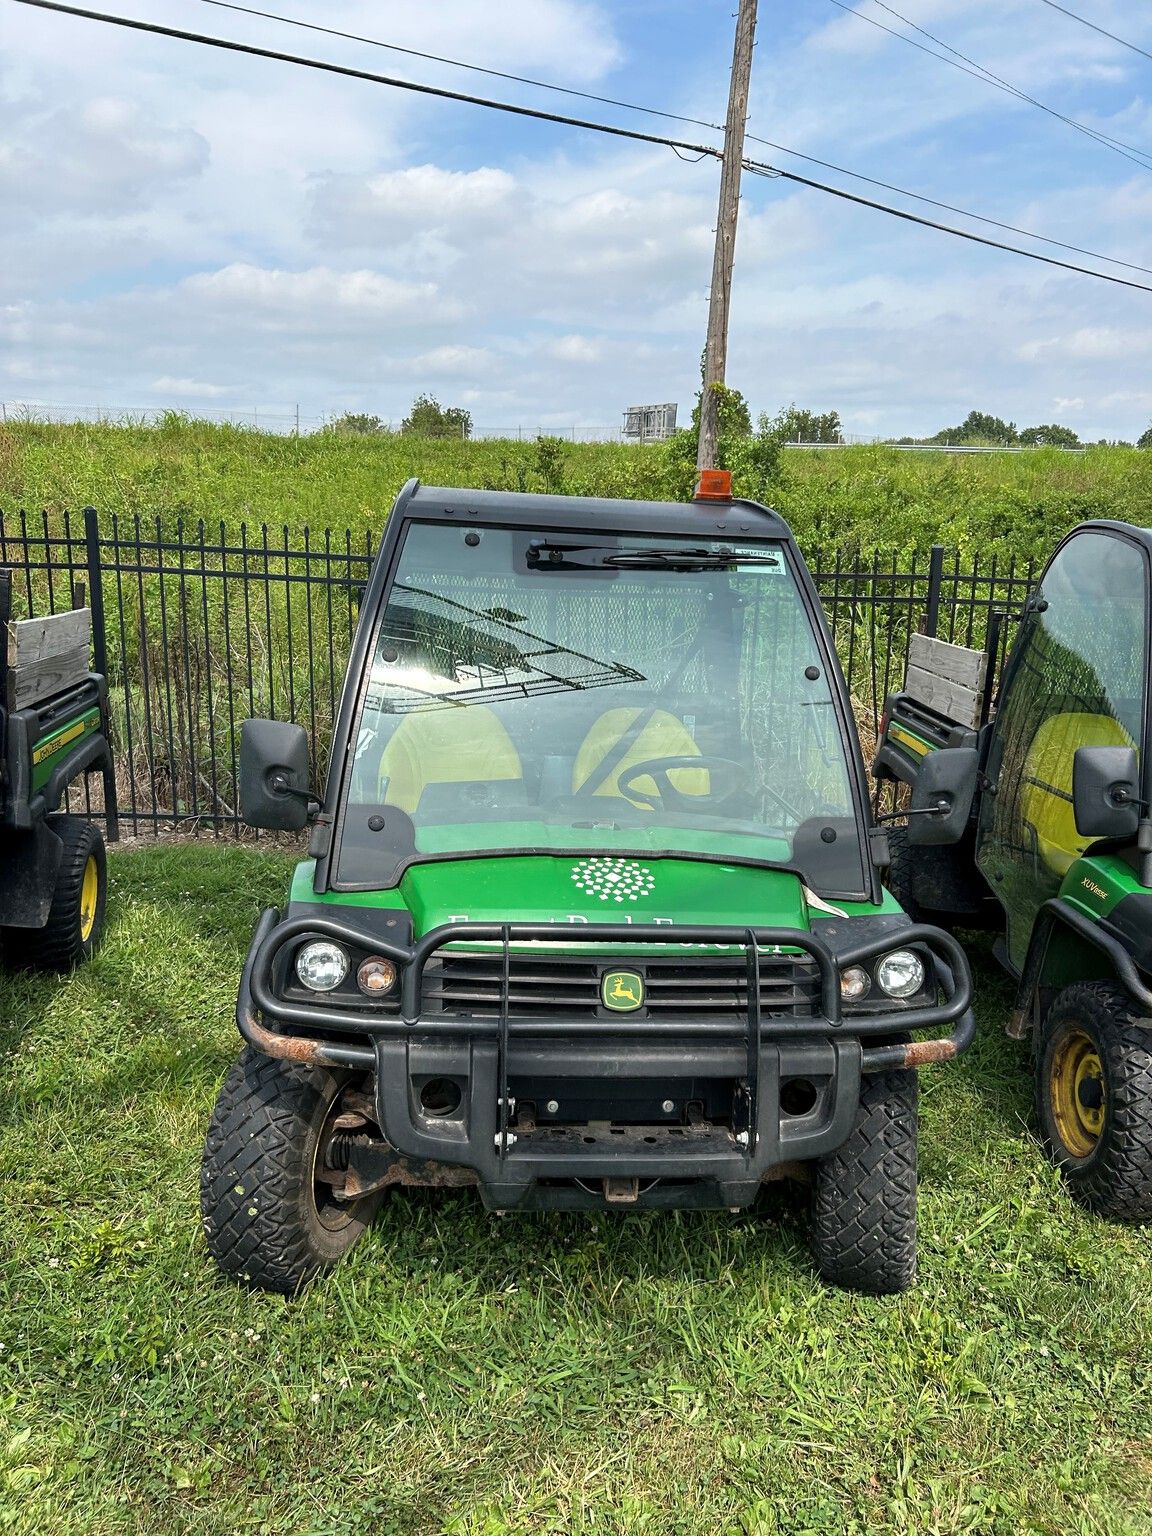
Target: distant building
column 650, row 423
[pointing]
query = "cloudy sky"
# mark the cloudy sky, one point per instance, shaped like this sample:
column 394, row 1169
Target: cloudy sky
column 189, row 228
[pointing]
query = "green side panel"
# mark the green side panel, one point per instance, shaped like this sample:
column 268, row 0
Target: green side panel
column 304, row 876
column 1094, row 884
column 48, row 751
column 573, row 891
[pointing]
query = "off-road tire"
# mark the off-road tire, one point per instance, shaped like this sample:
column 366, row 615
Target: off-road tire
column 74, row 928
column 899, row 878
column 1115, row 1179
column 258, row 1199
column 863, row 1216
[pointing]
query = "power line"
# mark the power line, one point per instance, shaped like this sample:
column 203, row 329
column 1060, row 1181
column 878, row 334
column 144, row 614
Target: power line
column 759, row 168
column 155, row 29
column 934, row 202
column 978, row 72
column 1095, row 133
column 480, row 69
column 1123, row 41
column 631, row 106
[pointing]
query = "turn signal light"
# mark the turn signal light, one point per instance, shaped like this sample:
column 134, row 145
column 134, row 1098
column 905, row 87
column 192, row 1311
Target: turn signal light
column 376, row 976
column 714, row 485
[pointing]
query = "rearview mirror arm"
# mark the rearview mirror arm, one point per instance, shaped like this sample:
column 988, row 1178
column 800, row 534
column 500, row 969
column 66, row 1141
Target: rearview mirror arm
column 279, row 782
column 941, row 808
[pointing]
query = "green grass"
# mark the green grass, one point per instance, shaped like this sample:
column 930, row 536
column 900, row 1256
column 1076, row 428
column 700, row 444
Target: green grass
column 563, row 1374
column 870, row 497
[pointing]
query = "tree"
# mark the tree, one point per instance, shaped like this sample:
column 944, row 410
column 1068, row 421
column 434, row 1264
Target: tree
column 733, row 418
column 428, row 418
column 1145, row 438
column 977, row 428
column 794, row 425
column 1051, row 436
column 358, row 422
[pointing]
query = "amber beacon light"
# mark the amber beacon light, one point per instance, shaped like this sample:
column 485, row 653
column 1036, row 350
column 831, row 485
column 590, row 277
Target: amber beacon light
column 714, row 485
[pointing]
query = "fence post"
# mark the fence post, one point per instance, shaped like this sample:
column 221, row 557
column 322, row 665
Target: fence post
column 95, row 590
column 935, row 586
column 100, row 656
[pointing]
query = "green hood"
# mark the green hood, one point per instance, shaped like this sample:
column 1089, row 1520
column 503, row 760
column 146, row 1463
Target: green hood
column 569, row 890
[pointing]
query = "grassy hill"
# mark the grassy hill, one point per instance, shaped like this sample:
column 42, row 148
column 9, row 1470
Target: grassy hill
column 872, row 497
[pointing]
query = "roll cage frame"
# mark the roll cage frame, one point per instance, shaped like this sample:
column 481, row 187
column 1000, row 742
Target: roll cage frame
column 571, row 515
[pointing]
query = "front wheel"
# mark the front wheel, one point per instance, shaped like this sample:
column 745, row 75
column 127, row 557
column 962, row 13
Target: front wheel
column 863, row 1220
column 75, row 923
column 1094, row 1098
column 270, row 1215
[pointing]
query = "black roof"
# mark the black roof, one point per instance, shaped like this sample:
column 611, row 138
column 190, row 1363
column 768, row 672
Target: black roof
column 690, row 518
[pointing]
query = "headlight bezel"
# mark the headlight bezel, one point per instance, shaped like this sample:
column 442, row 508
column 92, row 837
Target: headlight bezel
column 917, row 976
column 335, row 953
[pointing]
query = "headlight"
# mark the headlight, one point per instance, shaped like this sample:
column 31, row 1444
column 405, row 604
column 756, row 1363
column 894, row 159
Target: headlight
column 321, row 965
column 376, row 976
column 901, row 973
column 854, row 983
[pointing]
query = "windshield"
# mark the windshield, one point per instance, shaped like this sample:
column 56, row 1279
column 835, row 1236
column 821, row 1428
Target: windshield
column 581, row 692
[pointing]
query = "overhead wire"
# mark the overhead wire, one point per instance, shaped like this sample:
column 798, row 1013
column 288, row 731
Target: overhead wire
column 157, row 29
column 754, row 167
column 1133, row 152
column 480, row 69
column 758, row 169
column 1103, row 31
column 935, row 202
column 631, row 106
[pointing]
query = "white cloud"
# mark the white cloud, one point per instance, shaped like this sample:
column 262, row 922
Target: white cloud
column 573, row 349
column 187, row 389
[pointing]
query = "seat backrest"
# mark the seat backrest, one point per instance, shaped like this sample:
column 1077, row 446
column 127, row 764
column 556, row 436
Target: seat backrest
column 1046, row 783
column 662, row 735
column 445, row 746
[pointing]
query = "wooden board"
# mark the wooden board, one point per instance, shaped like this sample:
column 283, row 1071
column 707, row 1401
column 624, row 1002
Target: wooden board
column 955, row 662
column 39, row 680
column 32, row 640
column 946, row 697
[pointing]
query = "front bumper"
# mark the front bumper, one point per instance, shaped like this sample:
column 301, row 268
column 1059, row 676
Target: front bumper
column 519, row 1163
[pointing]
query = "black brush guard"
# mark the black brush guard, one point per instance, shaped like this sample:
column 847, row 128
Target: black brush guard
column 482, row 1054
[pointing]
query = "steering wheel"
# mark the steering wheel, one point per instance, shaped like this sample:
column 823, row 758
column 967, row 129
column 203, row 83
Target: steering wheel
column 668, row 797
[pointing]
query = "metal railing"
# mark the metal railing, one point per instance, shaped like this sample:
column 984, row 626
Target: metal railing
column 197, row 628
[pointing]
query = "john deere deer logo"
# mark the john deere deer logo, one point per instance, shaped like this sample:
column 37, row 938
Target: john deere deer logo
column 622, row 991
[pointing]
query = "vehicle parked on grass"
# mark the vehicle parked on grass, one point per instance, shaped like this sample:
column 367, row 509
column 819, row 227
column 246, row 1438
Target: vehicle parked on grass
column 53, row 731
column 593, row 915
column 1056, row 851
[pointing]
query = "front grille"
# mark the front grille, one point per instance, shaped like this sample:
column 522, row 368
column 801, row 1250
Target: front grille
column 542, row 986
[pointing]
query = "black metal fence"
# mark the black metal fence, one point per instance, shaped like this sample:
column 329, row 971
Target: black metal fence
column 198, row 628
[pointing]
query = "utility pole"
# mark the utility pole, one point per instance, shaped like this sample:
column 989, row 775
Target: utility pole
column 716, row 349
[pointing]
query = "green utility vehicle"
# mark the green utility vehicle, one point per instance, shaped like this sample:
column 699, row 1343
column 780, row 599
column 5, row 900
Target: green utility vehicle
column 53, row 732
column 1056, row 853
column 593, row 916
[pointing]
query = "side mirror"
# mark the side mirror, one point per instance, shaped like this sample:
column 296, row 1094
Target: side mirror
column 1106, row 791
column 942, row 797
column 274, row 775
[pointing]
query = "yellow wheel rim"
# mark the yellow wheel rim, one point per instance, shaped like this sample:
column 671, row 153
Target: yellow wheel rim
column 1077, row 1092
column 89, row 893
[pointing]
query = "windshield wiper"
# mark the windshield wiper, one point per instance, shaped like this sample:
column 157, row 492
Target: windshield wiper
column 686, row 559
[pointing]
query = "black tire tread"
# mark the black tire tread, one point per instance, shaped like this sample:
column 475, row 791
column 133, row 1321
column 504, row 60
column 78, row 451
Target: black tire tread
column 899, row 877
column 1116, row 1181
column 58, row 945
column 863, row 1219
column 252, row 1192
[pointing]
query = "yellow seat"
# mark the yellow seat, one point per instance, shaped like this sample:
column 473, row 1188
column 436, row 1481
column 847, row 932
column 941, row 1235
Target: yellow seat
column 445, row 746
column 662, row 735
column 1046, row 783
